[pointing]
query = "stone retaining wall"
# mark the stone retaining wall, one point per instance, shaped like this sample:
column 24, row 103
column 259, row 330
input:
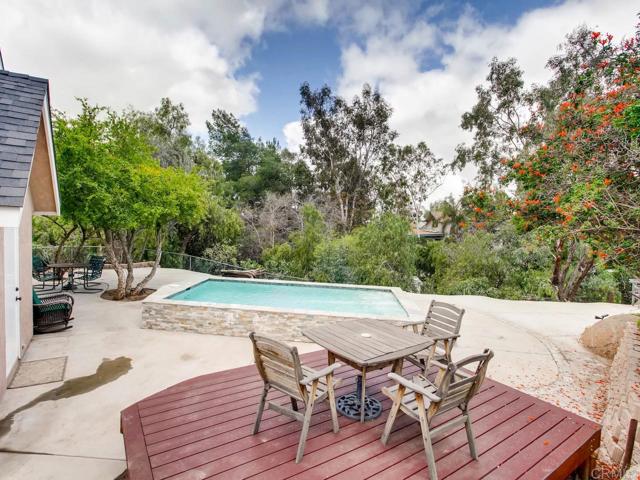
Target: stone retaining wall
column 231, row 321
column 624, row 398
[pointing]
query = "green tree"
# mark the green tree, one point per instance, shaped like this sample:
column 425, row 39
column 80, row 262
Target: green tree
column 498, row 120
column 581, row 186
column 166, row 129
column 350, row 145
column 384, row 252
column 297, row 256
column 346, row 143
column 251, row 167
column 110, row 181
column 409, row 175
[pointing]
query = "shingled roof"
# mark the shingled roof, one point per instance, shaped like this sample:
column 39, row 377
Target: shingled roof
column 21, row 100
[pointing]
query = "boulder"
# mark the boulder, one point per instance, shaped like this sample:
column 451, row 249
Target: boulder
column 603, row 337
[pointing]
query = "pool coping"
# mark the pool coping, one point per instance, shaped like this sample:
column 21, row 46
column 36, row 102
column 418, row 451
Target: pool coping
column 161, row 295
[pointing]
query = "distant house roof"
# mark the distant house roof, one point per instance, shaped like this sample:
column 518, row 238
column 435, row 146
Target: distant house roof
column 22, row 99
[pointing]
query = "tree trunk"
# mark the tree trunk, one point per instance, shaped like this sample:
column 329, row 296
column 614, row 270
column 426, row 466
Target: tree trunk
column 579, row 274
column 79, row 248
column 126, row 239
column 65, row 237
column 159, row 241
column 117, row 266
column 567, row 286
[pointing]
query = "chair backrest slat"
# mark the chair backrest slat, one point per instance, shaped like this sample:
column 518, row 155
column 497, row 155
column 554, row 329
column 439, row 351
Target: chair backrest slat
column 38, row 264
column 279, row 365
column 96, row 264
column 457, row 387
column 442, row 319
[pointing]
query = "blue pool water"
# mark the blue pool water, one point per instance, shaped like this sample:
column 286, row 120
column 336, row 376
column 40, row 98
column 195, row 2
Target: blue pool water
column 362, row 301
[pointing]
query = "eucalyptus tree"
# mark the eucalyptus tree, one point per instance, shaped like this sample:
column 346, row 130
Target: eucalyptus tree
column 346, row 142
column 166, row 129
column 355, row 160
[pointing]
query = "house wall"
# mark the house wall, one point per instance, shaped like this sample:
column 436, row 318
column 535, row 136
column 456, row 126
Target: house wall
column 26, row 305
column 3, row 363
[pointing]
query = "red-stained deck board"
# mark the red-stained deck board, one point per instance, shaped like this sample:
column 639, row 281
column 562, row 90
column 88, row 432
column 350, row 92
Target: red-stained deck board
column 201, row 428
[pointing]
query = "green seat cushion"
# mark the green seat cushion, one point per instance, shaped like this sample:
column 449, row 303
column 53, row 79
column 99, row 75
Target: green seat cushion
column 36, row 298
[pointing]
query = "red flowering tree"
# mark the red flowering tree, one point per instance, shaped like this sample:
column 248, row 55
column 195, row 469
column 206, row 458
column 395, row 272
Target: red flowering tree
column 580, row 186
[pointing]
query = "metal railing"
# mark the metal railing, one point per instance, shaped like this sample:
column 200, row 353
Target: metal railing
column 206, row 265
column 67, row 254
column 168, row 260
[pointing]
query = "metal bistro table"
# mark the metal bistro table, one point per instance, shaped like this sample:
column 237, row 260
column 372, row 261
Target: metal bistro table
column 366, row 345
column 69, row 267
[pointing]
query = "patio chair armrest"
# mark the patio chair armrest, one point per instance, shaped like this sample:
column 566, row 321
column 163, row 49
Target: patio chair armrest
column 413, row 386
column 440, row 364
column 404, row 323
column 320, row 373
column 54, row 308
column 440, row 338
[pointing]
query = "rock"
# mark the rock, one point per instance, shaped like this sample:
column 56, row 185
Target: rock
column 632, row 474
column 603, row 337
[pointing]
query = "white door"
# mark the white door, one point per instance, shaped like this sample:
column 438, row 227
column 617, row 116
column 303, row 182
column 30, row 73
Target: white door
column 11, row 294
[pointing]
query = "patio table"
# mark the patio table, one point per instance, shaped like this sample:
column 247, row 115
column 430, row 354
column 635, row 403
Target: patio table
column 69, row 267
column 366, row 345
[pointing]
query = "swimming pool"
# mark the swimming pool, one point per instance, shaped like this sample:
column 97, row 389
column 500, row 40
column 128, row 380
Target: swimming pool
column 283, row 310
column 362, row 301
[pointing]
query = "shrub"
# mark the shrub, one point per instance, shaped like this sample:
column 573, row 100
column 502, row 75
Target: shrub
column 332, row 262
column 601, row 286
column 384, row 252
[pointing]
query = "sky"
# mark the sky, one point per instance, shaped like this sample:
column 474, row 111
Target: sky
column 251, row 56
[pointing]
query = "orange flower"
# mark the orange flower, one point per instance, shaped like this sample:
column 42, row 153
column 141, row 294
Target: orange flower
column 607, row 181
column 556, row 198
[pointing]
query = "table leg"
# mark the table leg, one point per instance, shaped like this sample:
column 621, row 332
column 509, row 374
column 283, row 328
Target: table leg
column 363, row 394
column 331, row 358
column 397, row 366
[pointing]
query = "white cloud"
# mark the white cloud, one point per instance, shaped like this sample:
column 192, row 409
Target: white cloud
column 122, row 53
column 428, row 102
column 293, row 135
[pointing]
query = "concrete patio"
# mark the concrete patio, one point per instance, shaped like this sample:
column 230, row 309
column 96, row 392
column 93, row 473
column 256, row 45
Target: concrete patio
column 77, row 436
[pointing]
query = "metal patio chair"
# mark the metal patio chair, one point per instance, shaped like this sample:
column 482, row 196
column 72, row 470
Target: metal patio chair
column 44, row 274
column 52, row 313
column 91, row 273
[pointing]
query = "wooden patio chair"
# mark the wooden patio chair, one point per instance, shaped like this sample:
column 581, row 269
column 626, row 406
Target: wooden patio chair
column 422, row 400
column 280, row 369
column 442, row 323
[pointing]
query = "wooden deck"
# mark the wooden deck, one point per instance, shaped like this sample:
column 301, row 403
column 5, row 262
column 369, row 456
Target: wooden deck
column 201, row 428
